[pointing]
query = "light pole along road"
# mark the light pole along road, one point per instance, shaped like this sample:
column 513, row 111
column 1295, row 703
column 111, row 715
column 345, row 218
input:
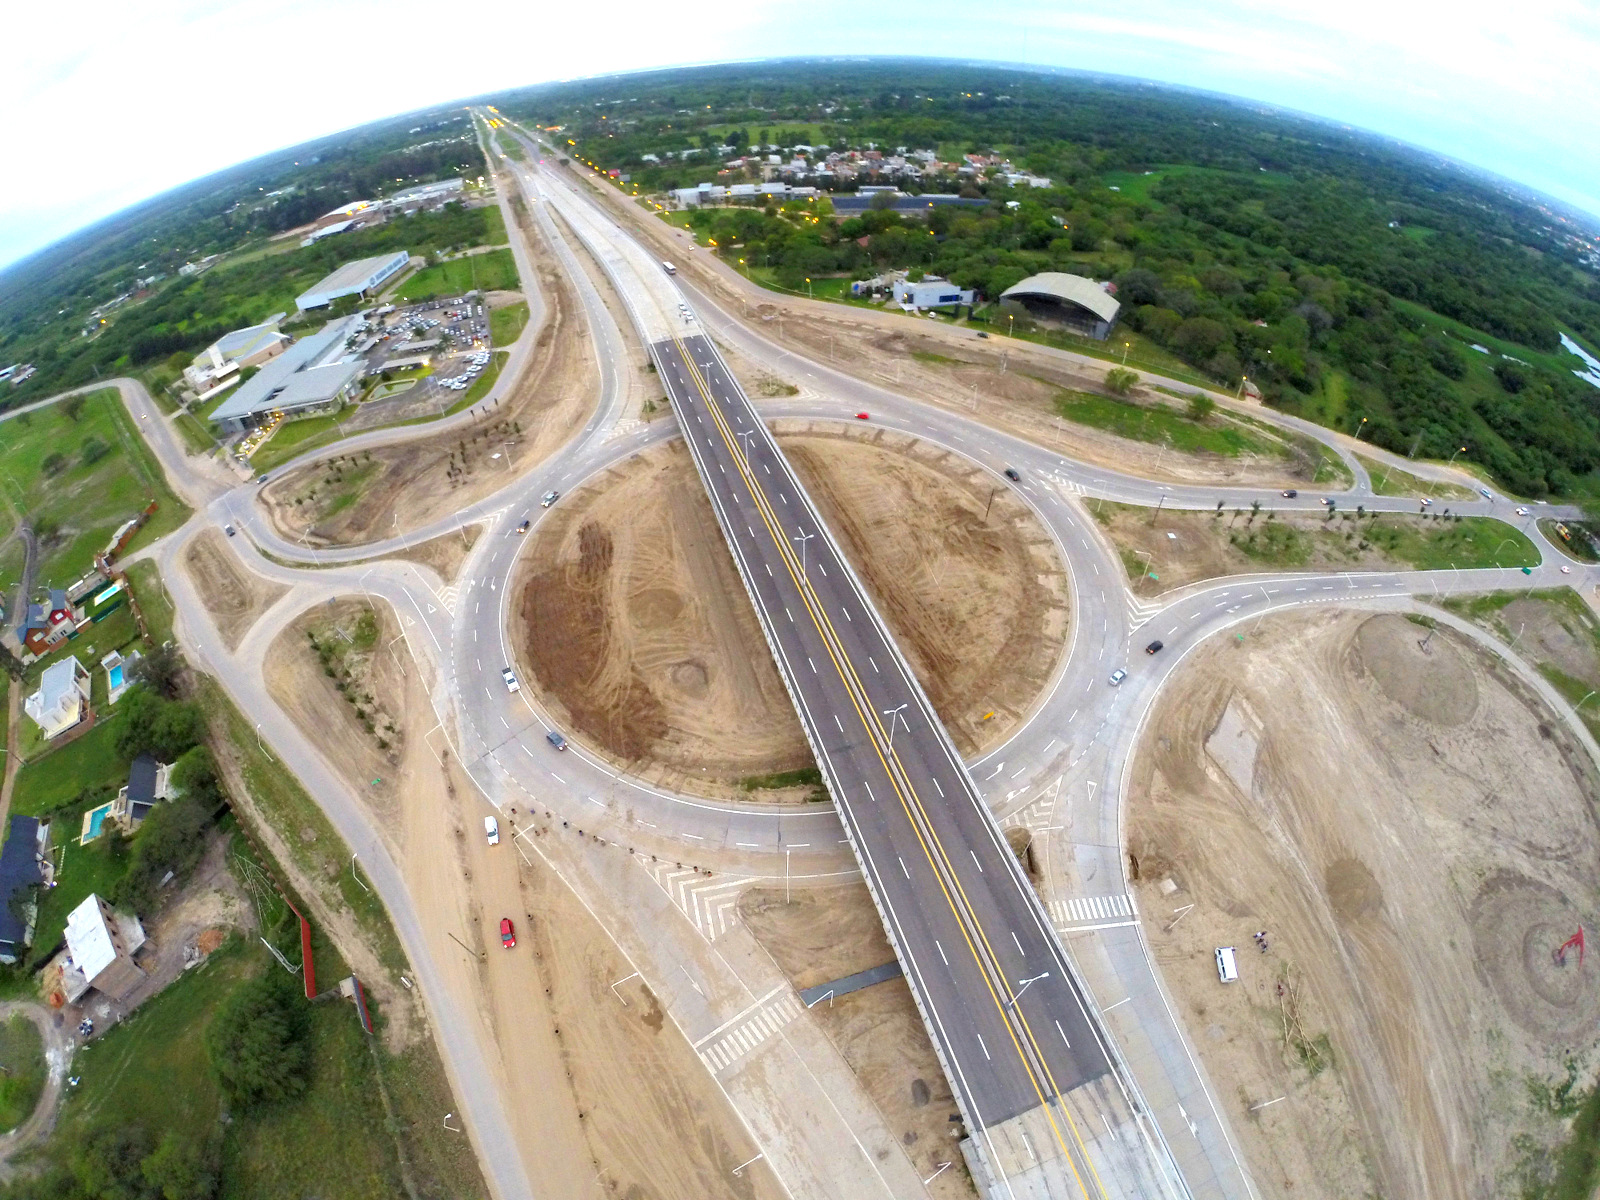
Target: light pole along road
column 1049, row 1110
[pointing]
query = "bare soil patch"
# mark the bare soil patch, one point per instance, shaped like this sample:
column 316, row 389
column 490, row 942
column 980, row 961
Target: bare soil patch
column 973, row 591
column 1416, row 834
column 444, row 554
column 643, row 642
column 821, row 934
column 346, row 500
column 234, row 596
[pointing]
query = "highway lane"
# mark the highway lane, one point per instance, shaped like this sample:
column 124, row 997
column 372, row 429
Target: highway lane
column 1004, row 1010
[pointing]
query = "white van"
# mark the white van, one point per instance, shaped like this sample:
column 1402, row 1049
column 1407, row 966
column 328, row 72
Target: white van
column 669, row 268
column 1227, row 968
column 492, row 828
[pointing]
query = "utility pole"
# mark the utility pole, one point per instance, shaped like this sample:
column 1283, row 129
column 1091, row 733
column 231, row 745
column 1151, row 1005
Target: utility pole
column 896, row 714
column 802, row 537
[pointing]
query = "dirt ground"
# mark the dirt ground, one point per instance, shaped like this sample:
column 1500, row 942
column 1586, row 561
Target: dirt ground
column 821, row 934
column 1416, row 835
column 609, row 1100
column 643, row 641
column 234, row 596
column 444, row 554
column 345, row 502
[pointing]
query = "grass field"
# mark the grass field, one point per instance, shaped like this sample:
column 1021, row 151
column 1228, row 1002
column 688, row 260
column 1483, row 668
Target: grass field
column 506, row 324
column 1160, row 424
column 85, row 870
column 1391, row 481
column 153, row 600
column 22, row 1054
column 55, row 778
column 78, row 470
column 296, row 437
column 494, row 271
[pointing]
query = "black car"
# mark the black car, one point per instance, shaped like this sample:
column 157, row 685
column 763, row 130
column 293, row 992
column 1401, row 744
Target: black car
column 982, row 334
column 1290, row 494
column 1011, row 474
column 1153, row 647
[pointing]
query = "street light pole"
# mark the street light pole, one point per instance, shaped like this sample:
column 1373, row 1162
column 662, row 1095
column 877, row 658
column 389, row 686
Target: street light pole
column 1023, row 986
column 802, row 537
column 896, row 714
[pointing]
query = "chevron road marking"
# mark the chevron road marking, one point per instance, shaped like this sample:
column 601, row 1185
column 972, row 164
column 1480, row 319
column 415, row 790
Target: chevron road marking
column 622, row 428
column 749, row 1030
column 712, row 905
column 448, row 597
column 1140, row 611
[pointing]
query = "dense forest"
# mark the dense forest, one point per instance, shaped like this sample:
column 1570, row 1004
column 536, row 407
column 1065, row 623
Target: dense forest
column 1350, row 277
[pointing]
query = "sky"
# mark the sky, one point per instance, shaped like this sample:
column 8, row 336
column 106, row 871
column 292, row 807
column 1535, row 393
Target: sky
column 114, row 102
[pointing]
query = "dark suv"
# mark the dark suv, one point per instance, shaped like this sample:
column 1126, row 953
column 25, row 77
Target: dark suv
column 1153, row 647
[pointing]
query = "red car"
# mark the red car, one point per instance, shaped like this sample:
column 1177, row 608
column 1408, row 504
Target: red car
column 508, row 935
column 863, row 417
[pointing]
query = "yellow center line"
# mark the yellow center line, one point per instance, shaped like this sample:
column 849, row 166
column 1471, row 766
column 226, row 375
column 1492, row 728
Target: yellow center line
column 940, row 863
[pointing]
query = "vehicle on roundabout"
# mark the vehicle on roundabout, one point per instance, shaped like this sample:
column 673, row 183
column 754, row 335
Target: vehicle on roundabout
column 510, row 677
column 523, row 528
column 1011, row 474
column 863, row 417
column 556, row 740
column 1118, row 676
column 549, row 498
column 1154, row 646
column 508, row 933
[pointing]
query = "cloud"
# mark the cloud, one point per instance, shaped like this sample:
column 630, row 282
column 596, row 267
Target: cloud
column 117, row 102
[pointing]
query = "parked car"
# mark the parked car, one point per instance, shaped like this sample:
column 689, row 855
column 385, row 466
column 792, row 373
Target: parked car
column 229, row 530
column 1118, row 676
column 549, row 498
column 491, row 828
column 1227, row 965
column 1011, row 474
column 556, row 740
column 1290, row 494
column 508, row 933
column 510, row 677
column 1154, row 646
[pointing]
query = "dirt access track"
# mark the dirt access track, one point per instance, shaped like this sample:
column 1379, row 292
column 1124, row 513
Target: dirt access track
column 1416, row 834
column 642, row 641
column 604, row 1094
column 234, row 596
column 373, row 494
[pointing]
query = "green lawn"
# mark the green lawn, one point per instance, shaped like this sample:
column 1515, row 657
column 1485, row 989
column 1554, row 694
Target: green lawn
column 22, row 1055
column 1161, row 425
column 153, row 600
column 1579, row 546
column 49, row 470
column 293, row 438
column 506, row 324
column 1392, row 481
column 1422, row 543
column 55, row 778
column 494, row 271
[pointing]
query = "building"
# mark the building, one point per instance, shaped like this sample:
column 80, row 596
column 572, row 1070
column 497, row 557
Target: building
column 354, row 279
column 45, row 626
column 1070, row 301
column 21, row 870
column 310, row 377
column 101, row 944
column 218, row 365
column 62, row 700
column 427, row 193
column 149, row 782
column 931, row 292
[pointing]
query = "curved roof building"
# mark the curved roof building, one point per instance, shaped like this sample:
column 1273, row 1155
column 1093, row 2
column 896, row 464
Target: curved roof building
column 1081, row 304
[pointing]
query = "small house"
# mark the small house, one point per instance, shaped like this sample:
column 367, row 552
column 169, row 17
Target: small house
column 62, row 700
column 101, row 944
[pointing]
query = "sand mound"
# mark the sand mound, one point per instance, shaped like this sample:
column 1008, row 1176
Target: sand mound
column 1436, row 684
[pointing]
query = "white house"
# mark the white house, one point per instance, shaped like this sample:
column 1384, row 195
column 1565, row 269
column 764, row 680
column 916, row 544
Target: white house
column 931, row 292
column 62, row 699
column 101, row 944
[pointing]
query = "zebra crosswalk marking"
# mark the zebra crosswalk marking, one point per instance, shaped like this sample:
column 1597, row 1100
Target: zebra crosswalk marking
column 1084, row 909
column 750, row 1030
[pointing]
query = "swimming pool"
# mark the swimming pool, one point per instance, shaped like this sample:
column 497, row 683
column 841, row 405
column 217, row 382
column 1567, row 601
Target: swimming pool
column 92, row 821
column 114, row 674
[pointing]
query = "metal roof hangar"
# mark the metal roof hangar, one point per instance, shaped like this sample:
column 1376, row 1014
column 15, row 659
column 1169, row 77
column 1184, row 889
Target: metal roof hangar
column 354, row 279
column 1080, row 304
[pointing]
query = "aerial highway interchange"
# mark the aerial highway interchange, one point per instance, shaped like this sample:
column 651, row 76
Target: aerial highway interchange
column 1071, row 1069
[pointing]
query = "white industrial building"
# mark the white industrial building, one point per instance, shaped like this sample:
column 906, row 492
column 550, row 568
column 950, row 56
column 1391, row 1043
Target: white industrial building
column 354, row 279
column 931, row 292
column 218, row 365
column 313, row 375
column 1071, row 301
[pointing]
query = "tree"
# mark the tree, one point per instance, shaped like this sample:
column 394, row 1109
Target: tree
column 153, row 725
column 183, row 1168
column 257, row 1043
column 106, row 1163
column 1120, row 380
column 158, row 670
column 1201, row 406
